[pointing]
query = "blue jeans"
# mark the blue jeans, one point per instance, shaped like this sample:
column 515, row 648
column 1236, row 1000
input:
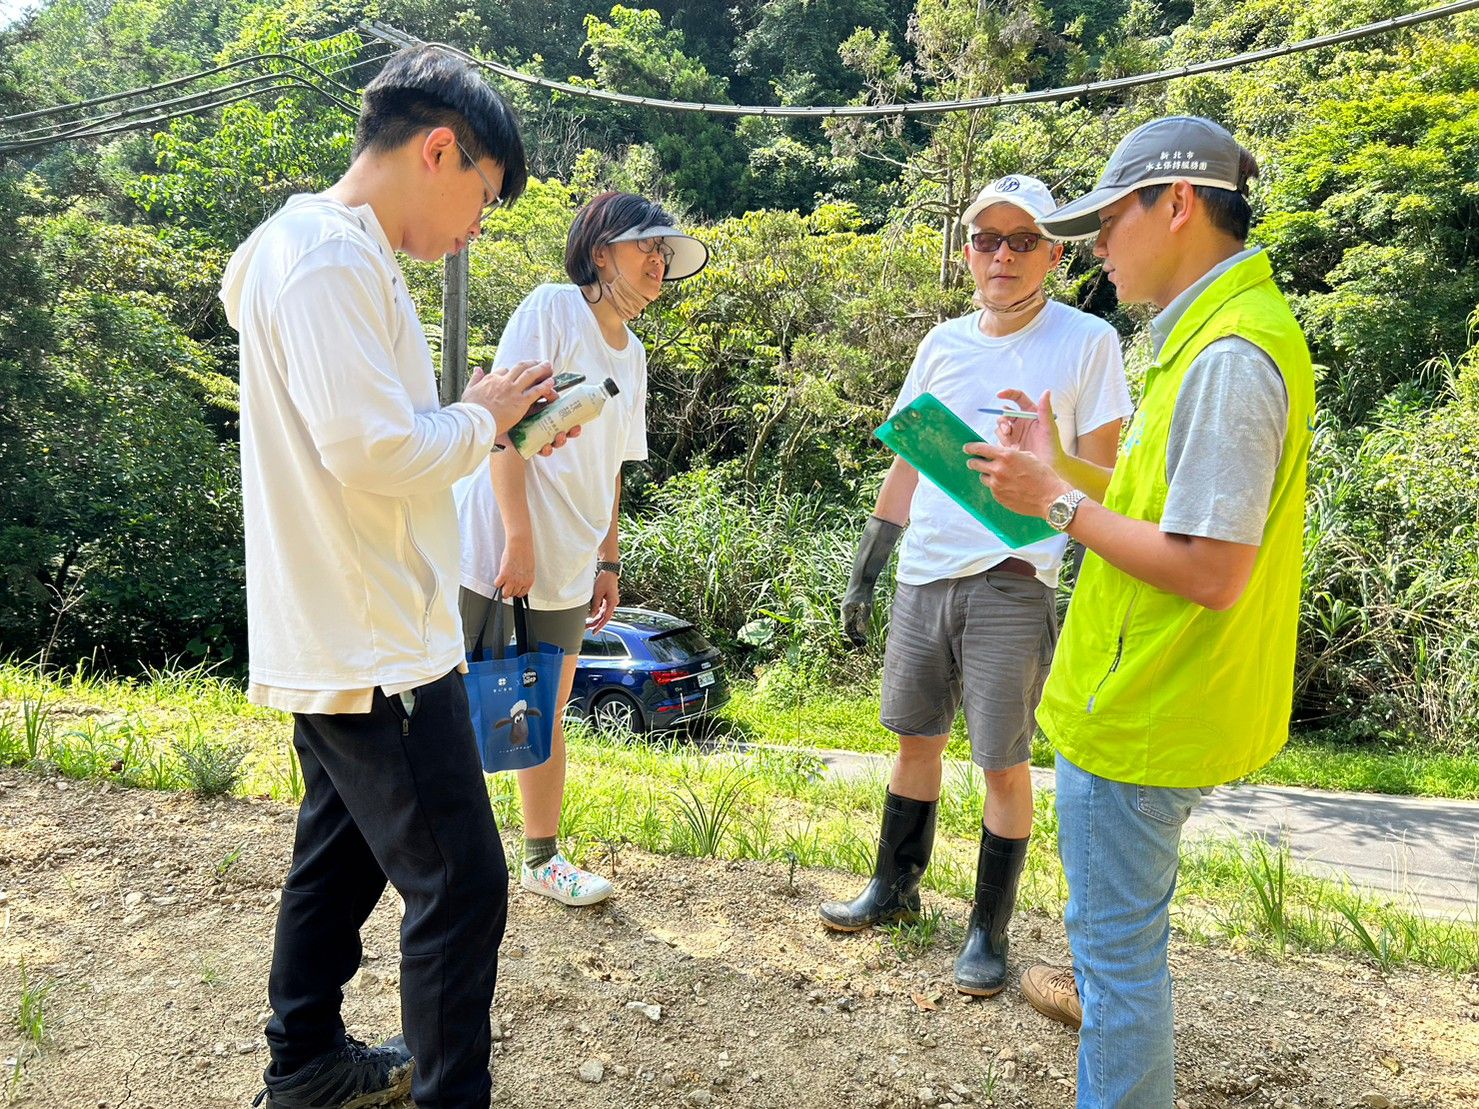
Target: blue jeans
column 1119, row 845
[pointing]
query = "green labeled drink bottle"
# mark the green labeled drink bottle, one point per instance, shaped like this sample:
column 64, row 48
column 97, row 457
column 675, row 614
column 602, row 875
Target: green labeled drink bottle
column 575, row 406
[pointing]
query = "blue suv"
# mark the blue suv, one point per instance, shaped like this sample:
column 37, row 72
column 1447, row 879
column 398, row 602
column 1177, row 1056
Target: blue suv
column 647, row 671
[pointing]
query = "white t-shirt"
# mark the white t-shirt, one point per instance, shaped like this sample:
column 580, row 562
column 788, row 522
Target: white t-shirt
column 1074, row 354
column 572, row 491
column 347, row 463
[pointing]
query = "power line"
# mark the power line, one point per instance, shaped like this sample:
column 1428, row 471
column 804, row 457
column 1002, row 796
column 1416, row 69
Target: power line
column 191, row 104
column 396, row 37
column 136, row 125
column 69, row 129
column 161, row 86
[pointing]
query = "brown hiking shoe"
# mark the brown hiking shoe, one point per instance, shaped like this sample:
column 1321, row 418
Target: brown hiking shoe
column 1052, row 992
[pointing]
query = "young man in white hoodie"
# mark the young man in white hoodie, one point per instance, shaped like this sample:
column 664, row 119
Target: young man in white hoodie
column 351, row 558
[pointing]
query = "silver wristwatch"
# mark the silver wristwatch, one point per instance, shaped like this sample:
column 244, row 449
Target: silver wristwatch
column 1060, row 512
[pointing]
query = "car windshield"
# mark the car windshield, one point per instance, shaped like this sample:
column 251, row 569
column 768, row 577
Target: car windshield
column 678, row 646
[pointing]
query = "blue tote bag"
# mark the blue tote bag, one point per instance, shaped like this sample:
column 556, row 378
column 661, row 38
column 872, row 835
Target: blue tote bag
column 511, row 692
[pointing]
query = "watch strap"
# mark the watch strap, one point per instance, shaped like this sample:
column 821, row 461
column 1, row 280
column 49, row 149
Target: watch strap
column 1063, row 509
column 609, row 567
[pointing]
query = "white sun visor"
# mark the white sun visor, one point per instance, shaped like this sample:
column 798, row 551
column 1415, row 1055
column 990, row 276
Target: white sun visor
column 689, row 255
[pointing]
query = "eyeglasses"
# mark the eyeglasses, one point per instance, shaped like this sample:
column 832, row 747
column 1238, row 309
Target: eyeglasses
column 659, row 244
column 1023, row 242
column 497, row 201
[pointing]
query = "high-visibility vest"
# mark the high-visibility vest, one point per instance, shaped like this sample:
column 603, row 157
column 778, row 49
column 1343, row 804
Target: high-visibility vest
column 1146, row 686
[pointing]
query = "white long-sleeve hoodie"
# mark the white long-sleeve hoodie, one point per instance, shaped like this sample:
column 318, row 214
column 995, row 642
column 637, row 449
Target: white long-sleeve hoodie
column 347, row 459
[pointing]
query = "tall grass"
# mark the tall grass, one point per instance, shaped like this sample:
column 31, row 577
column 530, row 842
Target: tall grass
column 30, row 1014
column 35, row 727
column 1246, row 892
column 736, row 802
column 707, row 816
column 185, row 729
column 1389, row 632
column 1388, row 649
column 735, row 556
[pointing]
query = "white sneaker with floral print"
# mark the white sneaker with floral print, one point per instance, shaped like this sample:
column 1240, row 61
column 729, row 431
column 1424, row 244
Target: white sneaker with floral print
column 565, row 882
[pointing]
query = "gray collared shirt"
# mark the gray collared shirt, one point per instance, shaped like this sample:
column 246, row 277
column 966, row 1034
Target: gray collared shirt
column 1227, row 430
column 1169, row 316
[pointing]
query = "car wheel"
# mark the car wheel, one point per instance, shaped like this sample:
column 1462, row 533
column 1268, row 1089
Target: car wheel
column 616, row 714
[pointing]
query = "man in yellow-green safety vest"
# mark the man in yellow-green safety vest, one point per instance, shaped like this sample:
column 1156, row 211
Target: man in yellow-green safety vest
column 1175, row 669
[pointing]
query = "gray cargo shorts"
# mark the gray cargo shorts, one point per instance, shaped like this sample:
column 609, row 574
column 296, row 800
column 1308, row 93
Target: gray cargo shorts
column 564, row 628
column 983, row 642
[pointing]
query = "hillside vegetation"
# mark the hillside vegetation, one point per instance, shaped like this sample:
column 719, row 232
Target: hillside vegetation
column 834, row 248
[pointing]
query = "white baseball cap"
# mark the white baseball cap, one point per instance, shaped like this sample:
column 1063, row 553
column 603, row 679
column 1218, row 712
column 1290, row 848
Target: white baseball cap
column 1018, row 190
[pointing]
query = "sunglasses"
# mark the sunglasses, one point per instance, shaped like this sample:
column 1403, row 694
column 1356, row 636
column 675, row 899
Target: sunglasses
column 497, row 201
column 1023, row 242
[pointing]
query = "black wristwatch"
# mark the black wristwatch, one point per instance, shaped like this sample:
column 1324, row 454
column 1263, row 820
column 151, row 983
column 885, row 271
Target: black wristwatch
column 609, row 567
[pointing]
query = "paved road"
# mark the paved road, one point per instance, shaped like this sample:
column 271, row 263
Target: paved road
column 1422, row 849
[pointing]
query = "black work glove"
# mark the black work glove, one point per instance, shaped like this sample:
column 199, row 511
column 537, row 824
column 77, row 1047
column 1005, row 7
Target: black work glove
column 877, row 543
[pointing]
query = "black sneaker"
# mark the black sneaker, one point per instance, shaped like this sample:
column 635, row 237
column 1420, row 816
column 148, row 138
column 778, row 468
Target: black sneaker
column 354, row 1077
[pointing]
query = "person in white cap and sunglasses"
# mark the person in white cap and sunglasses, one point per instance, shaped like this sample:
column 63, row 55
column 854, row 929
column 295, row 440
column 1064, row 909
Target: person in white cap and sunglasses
column 546, row 528
column 1176, row 668
column 974, row 621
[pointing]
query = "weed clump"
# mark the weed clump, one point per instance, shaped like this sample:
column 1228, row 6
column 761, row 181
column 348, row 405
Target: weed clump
column 210, row 768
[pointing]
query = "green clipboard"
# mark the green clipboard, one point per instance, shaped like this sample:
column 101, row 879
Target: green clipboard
column 931, row 438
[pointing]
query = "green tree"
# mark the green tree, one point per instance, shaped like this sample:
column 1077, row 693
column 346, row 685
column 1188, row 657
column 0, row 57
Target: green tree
column 221, row 178
column 634, row 53
column 796, row 44
column 711, row 35
column 121, row 519
column 1367, row 201
column 1388, row 628
column 145, row 500
column 121, row 502
column 792, row 54
column 25, row 336
column 78, row 49
column 788, row 350
column 182, row 276
column 964, row 50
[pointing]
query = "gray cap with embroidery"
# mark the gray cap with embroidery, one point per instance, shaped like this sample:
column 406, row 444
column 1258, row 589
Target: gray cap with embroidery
column 1172, row 148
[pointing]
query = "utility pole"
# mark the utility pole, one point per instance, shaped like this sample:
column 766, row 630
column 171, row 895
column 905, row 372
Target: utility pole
column 454, row 271
column 454, row 327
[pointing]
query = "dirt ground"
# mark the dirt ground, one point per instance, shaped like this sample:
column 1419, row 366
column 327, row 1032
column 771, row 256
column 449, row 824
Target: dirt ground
column 159, row 965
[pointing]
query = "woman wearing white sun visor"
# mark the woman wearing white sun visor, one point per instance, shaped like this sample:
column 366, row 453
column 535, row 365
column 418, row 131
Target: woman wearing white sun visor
column 549, row 532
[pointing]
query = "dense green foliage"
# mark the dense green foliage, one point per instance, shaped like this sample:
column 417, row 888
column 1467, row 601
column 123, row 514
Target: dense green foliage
column 834, row 251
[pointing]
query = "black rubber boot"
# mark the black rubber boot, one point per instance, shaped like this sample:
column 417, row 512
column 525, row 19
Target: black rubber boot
column 904, row 846
column 981, row 966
